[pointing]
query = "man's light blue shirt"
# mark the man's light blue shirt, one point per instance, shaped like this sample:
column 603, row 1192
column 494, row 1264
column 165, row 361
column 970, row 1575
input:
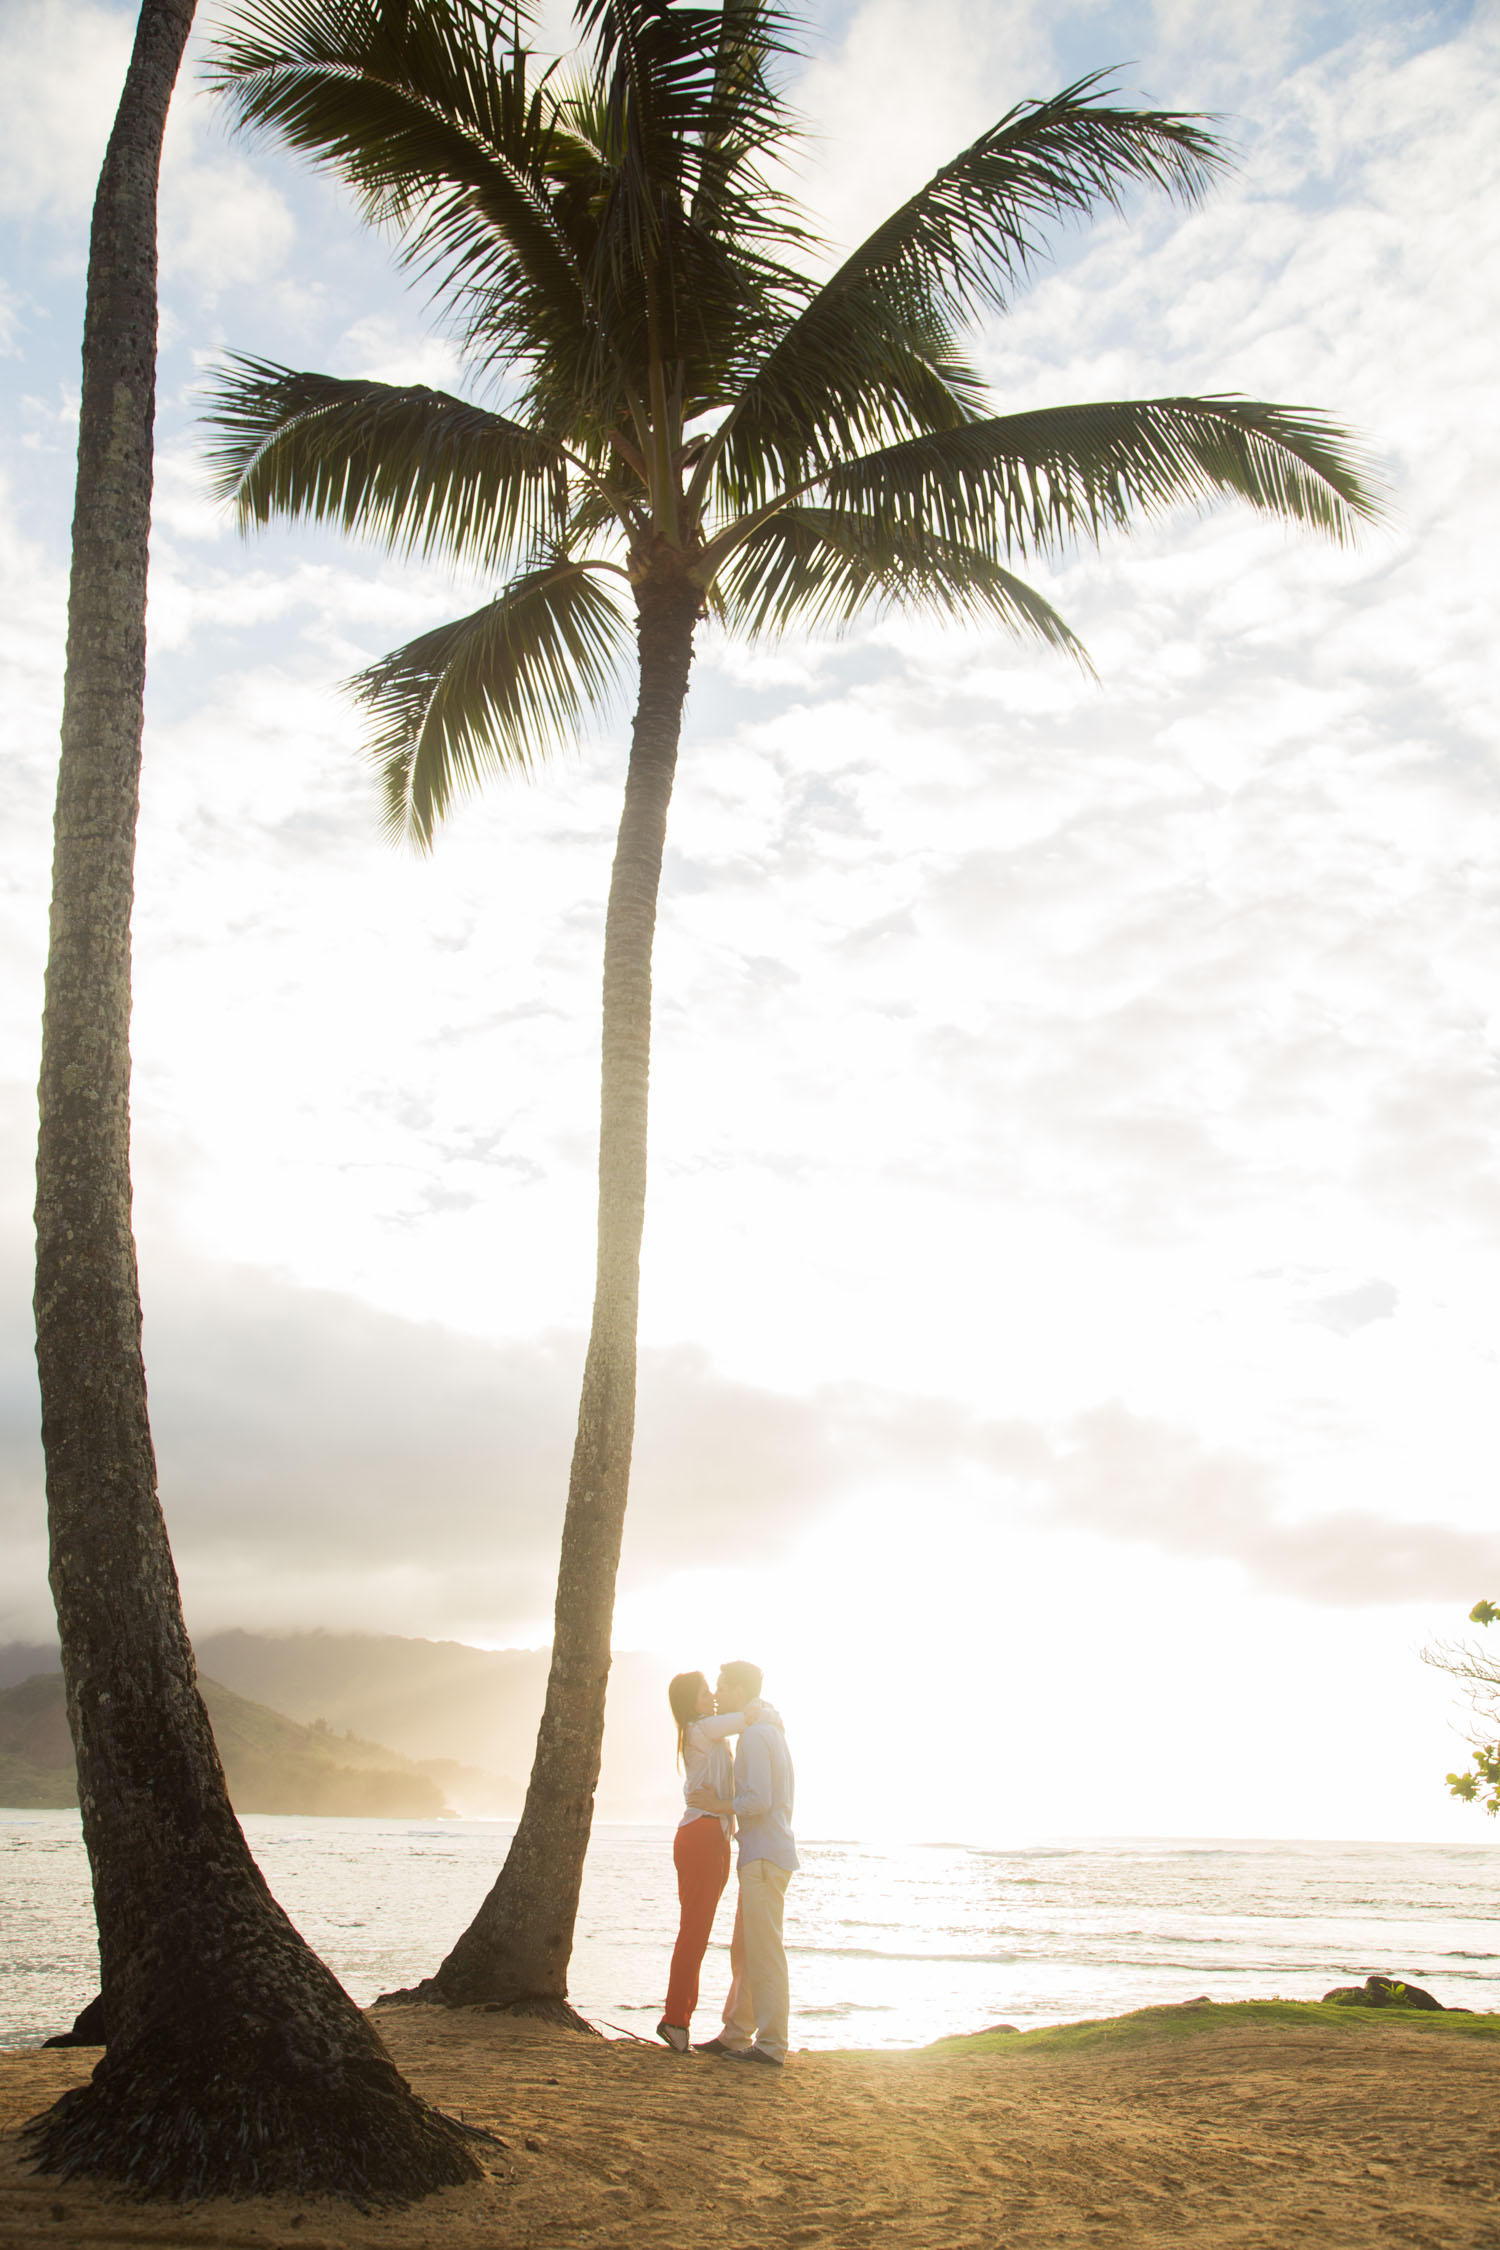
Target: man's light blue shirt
column 764, row 1792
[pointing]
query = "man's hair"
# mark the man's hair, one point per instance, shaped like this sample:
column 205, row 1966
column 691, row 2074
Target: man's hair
column 743, row 1679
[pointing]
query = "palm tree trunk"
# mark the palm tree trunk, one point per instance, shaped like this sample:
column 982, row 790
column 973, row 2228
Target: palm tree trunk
column 235, row 2061
column 516, row 1950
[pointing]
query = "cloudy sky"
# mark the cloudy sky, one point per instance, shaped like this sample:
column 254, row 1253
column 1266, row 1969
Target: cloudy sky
column 1070, row 1280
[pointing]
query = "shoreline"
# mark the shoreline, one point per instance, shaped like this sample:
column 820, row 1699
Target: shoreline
column 1264, row 2124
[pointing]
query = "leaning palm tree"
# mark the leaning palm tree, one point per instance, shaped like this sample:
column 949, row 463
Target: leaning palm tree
column 694, row 429
column 235, row 2063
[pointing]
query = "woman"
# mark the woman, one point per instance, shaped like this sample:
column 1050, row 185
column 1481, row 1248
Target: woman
column 700, row 1849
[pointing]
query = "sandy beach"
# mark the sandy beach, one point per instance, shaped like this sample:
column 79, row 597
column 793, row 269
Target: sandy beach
column 1255, row 2125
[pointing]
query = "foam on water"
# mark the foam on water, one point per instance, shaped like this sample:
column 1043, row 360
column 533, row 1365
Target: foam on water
column 890, row 1944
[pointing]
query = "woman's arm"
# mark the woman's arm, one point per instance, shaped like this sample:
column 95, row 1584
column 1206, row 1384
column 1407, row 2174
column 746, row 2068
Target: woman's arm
column 720, row 1724
column 724, row 1723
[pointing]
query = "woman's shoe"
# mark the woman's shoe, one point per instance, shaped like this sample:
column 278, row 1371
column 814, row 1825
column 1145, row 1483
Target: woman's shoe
column 675, row 2035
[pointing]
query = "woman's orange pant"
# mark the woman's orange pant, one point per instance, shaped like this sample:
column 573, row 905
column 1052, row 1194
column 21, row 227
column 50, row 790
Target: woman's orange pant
column 700, row 1852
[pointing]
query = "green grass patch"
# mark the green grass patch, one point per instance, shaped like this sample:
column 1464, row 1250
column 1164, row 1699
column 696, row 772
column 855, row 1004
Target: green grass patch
column 1151, row 2026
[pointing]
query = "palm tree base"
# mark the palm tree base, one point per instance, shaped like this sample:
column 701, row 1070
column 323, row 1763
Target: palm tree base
column 542, row 2007
column 180, row 2125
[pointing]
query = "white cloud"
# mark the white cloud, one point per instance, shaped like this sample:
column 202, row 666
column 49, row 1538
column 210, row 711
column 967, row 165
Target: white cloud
column 897, row 96
column 62, row 64
column 384, row 348
column 301, row 1437
column 221, row 223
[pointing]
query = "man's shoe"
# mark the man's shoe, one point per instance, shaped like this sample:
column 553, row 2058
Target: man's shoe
column 675, row 2035
column 753, row 2054
column 720, row 2047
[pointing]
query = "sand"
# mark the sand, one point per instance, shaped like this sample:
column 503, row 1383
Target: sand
column 1264, row 2126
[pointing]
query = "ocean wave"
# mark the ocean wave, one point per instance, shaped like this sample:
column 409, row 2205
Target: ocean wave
column 884, row 1953
column 849, row 2008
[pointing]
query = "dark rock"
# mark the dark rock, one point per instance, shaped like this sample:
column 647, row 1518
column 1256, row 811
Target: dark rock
column 88, row 2027
column 1397, row 1993
column 1382, row 1992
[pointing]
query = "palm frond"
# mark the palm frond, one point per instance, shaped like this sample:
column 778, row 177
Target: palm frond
column 1031, row 483
column 968, row 238
column 809, row 568
column 441, row 135
column 491, row 692
column 415, row 469
column 746, row 121
column 841, row 376
column 681, row 84
column 885, row 377
column 691, row 240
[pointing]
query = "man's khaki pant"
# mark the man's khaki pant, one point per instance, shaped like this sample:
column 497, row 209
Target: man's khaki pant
column 755, row 2014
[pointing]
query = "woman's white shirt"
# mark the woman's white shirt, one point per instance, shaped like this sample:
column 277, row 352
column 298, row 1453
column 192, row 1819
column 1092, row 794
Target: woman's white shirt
column 707, row 1762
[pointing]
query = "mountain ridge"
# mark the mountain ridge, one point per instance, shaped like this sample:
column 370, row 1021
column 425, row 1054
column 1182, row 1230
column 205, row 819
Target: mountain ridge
column 465, row 1715
column 272, row 1763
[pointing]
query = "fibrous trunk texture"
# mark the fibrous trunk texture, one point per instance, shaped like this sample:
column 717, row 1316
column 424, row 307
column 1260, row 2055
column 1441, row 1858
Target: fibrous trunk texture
column 236, row 2063
column 516, row 1950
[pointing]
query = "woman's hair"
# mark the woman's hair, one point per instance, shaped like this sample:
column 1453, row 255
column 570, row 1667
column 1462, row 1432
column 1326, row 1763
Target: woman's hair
column 683, row 1694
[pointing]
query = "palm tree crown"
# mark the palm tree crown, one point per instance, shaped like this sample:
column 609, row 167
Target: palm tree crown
column 695, row 426
column 688, row 404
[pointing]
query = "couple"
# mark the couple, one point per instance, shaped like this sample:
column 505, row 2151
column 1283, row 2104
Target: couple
column 754, row 1792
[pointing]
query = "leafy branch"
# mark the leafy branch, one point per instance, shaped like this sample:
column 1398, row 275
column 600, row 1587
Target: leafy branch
column 1481, row 1673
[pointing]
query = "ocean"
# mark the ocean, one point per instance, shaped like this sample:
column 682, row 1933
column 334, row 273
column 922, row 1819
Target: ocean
column 890, row 1944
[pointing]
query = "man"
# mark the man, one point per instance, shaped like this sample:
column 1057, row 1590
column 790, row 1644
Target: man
column 755, row 2014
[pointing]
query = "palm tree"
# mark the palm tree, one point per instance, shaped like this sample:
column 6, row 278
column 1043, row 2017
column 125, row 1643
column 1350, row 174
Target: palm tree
column 234, row 2061
column 696, row 428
